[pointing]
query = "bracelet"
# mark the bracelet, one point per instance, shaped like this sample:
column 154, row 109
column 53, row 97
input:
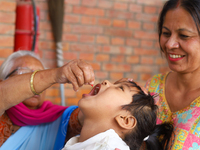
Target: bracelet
column 31, row 83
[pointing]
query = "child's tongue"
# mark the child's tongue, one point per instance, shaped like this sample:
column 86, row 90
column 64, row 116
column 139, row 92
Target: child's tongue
column 93, row 92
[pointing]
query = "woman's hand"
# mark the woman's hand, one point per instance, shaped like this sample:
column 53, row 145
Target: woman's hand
column 77, row 72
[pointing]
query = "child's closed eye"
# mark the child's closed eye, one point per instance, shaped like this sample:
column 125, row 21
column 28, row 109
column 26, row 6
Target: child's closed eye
column 121, row 87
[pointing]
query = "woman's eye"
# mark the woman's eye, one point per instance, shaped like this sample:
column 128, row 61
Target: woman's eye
column 166, row 34
column 183, row 36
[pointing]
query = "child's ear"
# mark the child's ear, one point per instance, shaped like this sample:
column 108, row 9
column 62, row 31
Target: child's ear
column 126, row 122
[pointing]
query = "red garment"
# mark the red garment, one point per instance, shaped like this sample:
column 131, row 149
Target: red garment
column 21, row 115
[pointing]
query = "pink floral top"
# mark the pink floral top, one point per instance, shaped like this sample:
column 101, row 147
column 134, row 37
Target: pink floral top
column 186, row 121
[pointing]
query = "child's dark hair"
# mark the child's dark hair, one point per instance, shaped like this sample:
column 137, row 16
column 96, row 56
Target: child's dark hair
column 144, row 110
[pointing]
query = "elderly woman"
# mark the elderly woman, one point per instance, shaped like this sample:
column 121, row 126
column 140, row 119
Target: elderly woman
column 178, row 91
column 35, row 123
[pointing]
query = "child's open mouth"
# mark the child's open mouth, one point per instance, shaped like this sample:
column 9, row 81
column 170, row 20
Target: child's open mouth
column 94, row 91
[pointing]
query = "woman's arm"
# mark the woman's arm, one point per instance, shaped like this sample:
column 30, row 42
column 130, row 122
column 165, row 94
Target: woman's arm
column 17, row 88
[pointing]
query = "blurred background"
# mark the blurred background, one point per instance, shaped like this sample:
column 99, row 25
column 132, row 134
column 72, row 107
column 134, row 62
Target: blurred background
column 117, row 37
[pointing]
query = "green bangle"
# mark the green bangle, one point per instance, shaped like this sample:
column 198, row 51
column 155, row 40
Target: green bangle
column 31, row 83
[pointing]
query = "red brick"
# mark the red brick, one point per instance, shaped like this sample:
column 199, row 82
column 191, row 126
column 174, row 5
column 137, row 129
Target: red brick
column 65, row 46
column 7, row 41
column 84, row 47
column 142, row 51
column 143, row 69
column 132, row 42
column 132, row 59
column 119, row 23
column 88, row 11
column 145, row 76
column 5, row 52
column 116, row 75
column 96, row 66
column 68, row 8
column 70, row 37
column 103, row 40
column 145, row 35
column 69, row 93
column 113, row 67
column 42, row 5
column 135, row 8
column 71, row 18
column 147, row 43
column 86, row 29
column 73, row 2
column 44, row 26
column 49, row 35
column 117, row 50
column 119, row 14
column 119, row 32
column 147, row 60
column 7, row 17
column 7, row 29
column 151, row 2
column 88, row 20
column 8, row 6
column 117, row 41
column 105, row 4
column 101, row 75
column 118, row 58
column 133, row 76
column 161, row 61
column 86, row 56
column 46, row 45
column 66, row 28
column 50, row 54
column 150, row 9
column 70, row 55
column 72, row 101
column 89, row 3
column 102, row 57
column 52, row 92
column 104, row 21
column 134, row 25
column 149, row 26
column 120, row 6
column 87, row 39
column 147, row 17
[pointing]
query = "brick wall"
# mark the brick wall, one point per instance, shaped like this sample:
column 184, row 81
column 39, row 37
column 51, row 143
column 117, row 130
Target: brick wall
column 118, row 37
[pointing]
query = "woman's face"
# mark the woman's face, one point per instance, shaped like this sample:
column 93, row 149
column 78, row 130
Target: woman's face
column 105, row 101
column 180, row 41
column 32, row 64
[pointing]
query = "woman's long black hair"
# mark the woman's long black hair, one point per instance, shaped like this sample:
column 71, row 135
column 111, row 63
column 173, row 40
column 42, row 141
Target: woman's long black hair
column 144, row 110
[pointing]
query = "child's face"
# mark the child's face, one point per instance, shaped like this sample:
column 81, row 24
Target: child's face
column 105, row 99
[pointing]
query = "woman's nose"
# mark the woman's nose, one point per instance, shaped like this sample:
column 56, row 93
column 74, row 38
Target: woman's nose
column 172, row 43
column 105, row 82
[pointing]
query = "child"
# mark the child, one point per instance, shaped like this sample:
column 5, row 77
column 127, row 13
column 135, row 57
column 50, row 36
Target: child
column 119, row 111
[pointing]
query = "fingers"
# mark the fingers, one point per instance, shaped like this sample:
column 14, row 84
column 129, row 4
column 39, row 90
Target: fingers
column 88, row 72
column 79, row 73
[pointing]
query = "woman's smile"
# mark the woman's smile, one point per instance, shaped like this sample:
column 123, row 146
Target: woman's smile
column 175, row 57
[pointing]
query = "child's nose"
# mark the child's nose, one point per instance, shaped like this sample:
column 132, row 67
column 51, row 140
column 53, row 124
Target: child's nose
column 105, row 82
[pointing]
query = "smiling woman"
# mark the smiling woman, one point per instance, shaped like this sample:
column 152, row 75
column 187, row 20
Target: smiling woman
column 179, row 90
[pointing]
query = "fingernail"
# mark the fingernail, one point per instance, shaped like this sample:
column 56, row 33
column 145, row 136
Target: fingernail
column 129, row 79
column 91, row 83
